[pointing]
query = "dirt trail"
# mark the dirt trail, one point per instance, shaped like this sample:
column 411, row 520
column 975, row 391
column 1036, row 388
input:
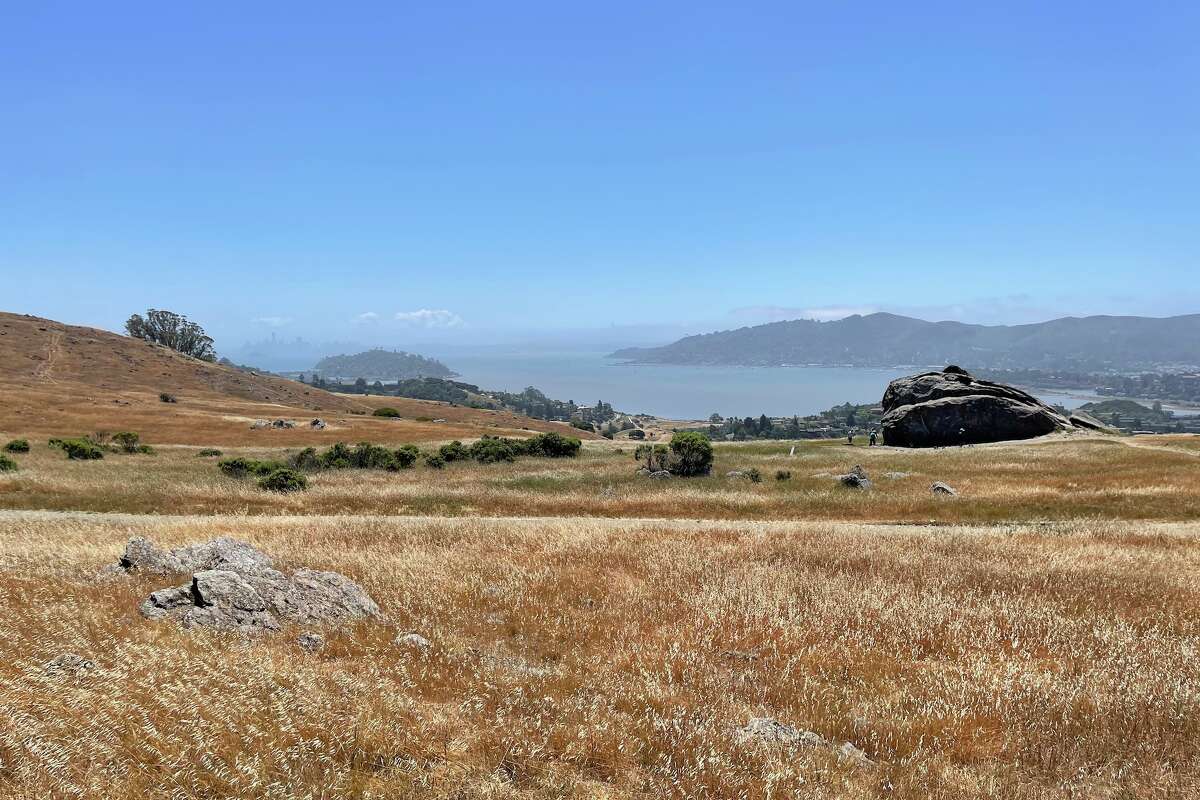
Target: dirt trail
column 53, row 350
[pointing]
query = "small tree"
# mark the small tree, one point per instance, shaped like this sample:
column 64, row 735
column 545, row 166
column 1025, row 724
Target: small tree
column 691, row 454
column 174, row 331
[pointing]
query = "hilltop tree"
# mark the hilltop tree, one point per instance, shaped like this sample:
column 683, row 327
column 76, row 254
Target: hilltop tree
column 174, row 331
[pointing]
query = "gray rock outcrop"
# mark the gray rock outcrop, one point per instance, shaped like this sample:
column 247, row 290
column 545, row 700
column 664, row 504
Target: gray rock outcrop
column 235, row 587
column 855, row 478
column 770, row 731
column 950, row 407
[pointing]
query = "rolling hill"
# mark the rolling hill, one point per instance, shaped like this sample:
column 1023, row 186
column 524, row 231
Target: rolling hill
column 881, row 340
column 68, row 380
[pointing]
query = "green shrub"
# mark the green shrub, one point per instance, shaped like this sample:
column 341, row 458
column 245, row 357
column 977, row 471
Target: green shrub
column 553, row 445
column 241, row 467
column 754, row 475
column 209, row 452
column 691, row 454
column 654, row 456
column 283, row 480
column 306, row 459
column 7, row 464
column 54, row 442
column 453, row 451
column 127, row 441
column 434, row 461
column 493, row 450
column 371, row 456
column 386, row 411
column 783, row 475
column 17, row 446
column 167, row 398
column 336, row 457
column 406, row 456
column 145, row 450
column 80, row 449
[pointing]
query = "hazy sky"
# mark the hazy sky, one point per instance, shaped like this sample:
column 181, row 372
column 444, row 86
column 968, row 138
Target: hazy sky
column 401, row 172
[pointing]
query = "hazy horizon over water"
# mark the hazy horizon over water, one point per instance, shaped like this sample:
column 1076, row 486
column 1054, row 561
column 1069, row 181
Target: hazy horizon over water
column 687, row 392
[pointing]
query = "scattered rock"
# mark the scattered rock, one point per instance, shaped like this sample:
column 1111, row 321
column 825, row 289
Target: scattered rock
column 950, row 407
column 943, row 488
column 283, row 423
column 767, row 730
column 317, row 424
column 735, row 473
column 69, row 664
column 855, row 478
column 660, row 475
column 895, row 476
column 643, row 472
column 258, row 424
column 311, row 641
column 235, row 587
column 415, row 641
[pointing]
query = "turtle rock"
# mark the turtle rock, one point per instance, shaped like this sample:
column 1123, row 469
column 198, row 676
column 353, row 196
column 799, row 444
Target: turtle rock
column 943, row 488
column 950, row 407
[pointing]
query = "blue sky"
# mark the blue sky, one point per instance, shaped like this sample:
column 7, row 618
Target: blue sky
column 398, row 173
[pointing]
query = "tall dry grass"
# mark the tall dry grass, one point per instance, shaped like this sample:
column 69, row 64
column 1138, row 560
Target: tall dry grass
column 609, row 658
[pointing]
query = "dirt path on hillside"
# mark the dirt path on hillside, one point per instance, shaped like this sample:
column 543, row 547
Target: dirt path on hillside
column 53, row 350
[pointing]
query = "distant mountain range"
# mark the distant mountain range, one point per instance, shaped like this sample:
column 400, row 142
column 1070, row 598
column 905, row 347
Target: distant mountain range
column 884, row 340
column 386, row 365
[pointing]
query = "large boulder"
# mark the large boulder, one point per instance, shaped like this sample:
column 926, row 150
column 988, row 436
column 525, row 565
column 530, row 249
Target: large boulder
column 950, row 407
column 235, row 587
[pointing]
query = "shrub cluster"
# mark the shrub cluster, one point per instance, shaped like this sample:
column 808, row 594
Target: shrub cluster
column 17, row 446
column 208, row 452
column 127, row 442
column 783, row 475
column 7, row 464
column 690, row 453
column 79, row 449
column 363, row 455
column 386, row 411
column 494, row 449
column 241, row 467
column 167, row 398
column 283, row 480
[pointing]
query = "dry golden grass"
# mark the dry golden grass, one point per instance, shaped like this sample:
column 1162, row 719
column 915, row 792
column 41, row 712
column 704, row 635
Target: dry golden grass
column 609, row 658
column 1068, row 478
column 592, row 636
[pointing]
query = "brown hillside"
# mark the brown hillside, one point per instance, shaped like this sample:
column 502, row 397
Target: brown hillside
column 67, row 380
column 42, row 352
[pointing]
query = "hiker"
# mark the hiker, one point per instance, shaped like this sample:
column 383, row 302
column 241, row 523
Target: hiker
column 962, row 434
column 872, row 444
column 850, row 438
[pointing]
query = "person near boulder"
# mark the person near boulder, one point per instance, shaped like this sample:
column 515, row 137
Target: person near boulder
column 873, row 439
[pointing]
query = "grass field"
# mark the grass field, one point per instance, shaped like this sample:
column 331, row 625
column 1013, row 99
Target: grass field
column 609, row 658
column 1069, row 478
column 597, row 634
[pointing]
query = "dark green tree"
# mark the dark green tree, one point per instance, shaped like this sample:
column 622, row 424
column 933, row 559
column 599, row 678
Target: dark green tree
column 174, row 331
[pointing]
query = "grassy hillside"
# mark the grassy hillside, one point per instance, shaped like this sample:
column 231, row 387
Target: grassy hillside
column 65, row 380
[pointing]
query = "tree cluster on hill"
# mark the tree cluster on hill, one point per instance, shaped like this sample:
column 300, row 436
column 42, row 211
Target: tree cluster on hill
column 832, row 423
column 174, row 331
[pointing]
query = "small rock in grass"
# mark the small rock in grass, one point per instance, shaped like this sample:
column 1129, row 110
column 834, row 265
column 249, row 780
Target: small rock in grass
column 415, row 641
column 767, row 730
column 310, row 641
column 69, row 664
column 943, row 488
column 855, row 478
